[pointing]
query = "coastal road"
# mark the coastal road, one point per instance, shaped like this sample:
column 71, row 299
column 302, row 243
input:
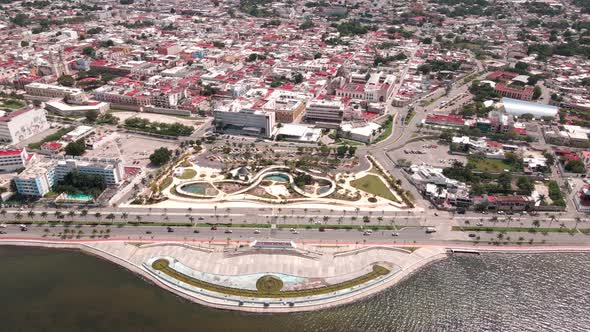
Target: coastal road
column 406, row 236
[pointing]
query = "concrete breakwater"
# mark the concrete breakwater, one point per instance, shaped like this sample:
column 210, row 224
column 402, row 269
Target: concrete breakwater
column 318, row 270
column 239, row 268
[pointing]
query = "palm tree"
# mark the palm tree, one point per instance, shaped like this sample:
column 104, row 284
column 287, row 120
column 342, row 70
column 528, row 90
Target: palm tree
column 191, row 219
column 44, row 214
column 18, row 216
column 124, row 216
column 98, row 215
column 138, row 218
column 3, row 213
column 72, row 214
column 57, row 214
column 357, row 210
column 31, row 214
column 83, row 213
column 542, row 199
column 111, row 216
column 553, row 218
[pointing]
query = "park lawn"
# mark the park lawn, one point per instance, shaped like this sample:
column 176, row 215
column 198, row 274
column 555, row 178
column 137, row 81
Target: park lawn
column 163, row 266
column 344, row 141
column 12, row 104
column 386, row 132
column 374, row 185
column 166, row 183
column 188, row 174
column 489, row 165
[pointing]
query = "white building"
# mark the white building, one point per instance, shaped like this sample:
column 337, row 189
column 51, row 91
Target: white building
column 364, row 132
column 246, row 121
column 11, row 160
column 39, row 178
column 22, row 124
column 111, row 170
column 36, row 180
column 47, row 92
column 324, row 111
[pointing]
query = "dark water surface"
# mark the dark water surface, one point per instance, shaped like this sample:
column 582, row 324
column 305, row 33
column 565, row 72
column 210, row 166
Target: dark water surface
column 51, row 290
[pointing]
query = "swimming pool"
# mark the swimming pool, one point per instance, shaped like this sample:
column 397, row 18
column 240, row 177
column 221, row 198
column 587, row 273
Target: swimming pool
column 80, row 197
column 277, row 177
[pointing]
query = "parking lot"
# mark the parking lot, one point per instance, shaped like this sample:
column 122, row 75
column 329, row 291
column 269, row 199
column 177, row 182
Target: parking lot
column 429, row 152
column 134, row 150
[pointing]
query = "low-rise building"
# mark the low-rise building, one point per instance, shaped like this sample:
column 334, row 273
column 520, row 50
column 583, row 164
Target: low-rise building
column 12, row 160
column 47, row 92
column 22, row 124
column 324, row 111
column 245, row 121
column 39, row 178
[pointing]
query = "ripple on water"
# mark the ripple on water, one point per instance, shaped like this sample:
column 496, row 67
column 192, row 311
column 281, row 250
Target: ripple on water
column 61, row 291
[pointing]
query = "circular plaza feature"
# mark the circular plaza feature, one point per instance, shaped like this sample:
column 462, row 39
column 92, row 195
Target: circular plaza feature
column 269, row 284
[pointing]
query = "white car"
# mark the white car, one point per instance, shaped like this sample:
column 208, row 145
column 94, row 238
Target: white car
column 2, row 225
column 294, row 232
column 395, row 234
column 256, row 231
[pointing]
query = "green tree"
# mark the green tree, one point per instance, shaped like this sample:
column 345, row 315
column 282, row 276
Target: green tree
column 160, row 156
column 76, row 148
column 537, row 92
column 89, row 51
column 66, row 80
column 20, row 19
column 525, row 184
column 575, row 166
column 91, row 115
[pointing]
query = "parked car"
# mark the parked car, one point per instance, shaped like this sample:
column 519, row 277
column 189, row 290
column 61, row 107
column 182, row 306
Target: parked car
column 148, row 232
column 395, row 234
column 169, row 229
column 472, row 235
column 228, row 231
column 196, row 231
column 213, row 228
column 322, row 229
column 256, row 231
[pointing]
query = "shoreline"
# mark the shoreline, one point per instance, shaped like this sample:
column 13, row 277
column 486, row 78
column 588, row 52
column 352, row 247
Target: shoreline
column 371, row 290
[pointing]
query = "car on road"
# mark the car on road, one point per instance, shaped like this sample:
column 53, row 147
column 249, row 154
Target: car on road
column 294, row 232
column 472, row 235
column 213, row 228
column 321, row 229
column 201, row 218
column 196, row 231
column 395, row 234
column 148, row 232
column 170, row 229
column 436, row 214
column 430, row 230
column 2, row 225
column 2, row 232
column 367, row 233
column 228, row 231
column 256, row 231
column 479, row 224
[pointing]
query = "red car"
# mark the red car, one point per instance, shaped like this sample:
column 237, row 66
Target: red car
column 213, row 228
column 322, row 229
